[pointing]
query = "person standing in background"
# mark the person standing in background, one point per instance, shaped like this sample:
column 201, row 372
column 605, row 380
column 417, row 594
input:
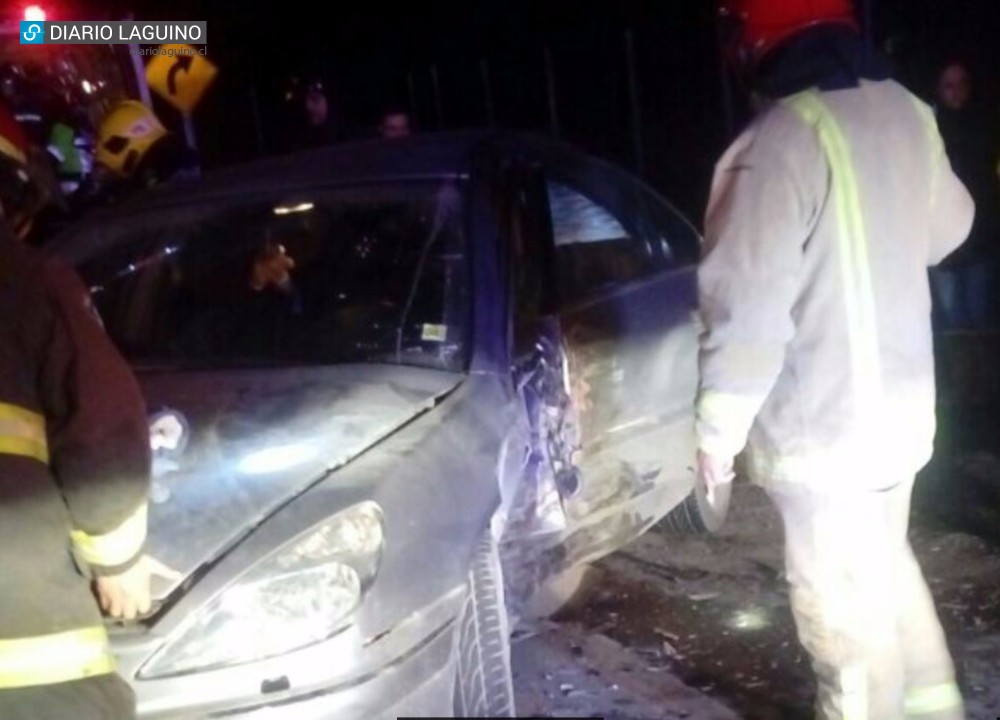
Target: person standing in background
column 965, row 284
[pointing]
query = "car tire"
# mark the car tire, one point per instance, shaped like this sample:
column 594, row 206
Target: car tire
column 696, row 515
column 484, row 686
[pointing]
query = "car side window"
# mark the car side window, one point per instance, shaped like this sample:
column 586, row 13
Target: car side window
column 525, row 213
column 595, row 251
column 677, row 238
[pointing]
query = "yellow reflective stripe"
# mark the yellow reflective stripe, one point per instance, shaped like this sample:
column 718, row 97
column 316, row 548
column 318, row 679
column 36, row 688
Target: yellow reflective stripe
column 934, row 699
column 34, row 423
column 24, row 448
column 8, row 148
column 854, row 693
column 116, row 547
column 55, row 658
column 22, row 432
column 853, row 248
column 724, row 410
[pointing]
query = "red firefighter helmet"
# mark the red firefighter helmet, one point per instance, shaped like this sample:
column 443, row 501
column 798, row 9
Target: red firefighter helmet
column 755, row 27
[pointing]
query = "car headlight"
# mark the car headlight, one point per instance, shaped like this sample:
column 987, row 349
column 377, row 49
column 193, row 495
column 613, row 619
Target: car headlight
column 302, row 593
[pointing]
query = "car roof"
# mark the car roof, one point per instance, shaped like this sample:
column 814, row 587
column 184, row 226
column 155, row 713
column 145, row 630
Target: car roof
column 425, row 156
column 418, row 156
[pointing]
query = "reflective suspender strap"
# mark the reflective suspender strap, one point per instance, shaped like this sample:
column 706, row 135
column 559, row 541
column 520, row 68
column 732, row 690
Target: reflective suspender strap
column 853, row 251
column 50, row 659
column 22, row 432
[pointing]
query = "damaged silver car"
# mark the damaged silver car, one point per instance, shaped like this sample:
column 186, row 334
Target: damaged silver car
column 398, row 388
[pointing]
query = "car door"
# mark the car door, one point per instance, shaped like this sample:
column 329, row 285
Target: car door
column 604, row 348
column 627, row 313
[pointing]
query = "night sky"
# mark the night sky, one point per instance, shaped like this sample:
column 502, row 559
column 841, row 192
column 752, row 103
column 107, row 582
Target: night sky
column 374, row 53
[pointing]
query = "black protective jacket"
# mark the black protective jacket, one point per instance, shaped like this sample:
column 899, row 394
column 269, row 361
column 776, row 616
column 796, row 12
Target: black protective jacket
column 74, row 471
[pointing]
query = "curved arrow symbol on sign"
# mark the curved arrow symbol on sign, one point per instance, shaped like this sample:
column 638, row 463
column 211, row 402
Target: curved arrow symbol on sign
column 183, row 63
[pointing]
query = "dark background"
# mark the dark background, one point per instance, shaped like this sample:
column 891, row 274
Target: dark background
column 374, row 52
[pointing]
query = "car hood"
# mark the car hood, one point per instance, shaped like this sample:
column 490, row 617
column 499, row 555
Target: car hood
column 257, row 438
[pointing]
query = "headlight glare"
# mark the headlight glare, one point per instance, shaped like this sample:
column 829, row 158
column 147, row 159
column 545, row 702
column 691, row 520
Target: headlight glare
column 301, row 594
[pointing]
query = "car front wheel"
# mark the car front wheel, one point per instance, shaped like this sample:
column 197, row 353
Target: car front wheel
column 483, row 687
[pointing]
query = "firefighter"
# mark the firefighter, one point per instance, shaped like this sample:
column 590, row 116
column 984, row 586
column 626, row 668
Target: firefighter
column 135, row 151
column 823, row 219
column 74, row 465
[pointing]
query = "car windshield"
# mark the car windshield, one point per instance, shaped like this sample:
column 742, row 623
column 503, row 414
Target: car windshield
column 365, row 274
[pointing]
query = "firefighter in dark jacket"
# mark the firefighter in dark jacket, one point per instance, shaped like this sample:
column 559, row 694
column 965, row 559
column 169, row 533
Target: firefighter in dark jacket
column 74, row 467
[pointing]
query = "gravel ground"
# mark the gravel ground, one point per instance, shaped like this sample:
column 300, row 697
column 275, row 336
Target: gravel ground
column 701, row 627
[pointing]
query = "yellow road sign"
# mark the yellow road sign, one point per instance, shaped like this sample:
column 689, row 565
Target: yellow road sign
column 180, row 74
